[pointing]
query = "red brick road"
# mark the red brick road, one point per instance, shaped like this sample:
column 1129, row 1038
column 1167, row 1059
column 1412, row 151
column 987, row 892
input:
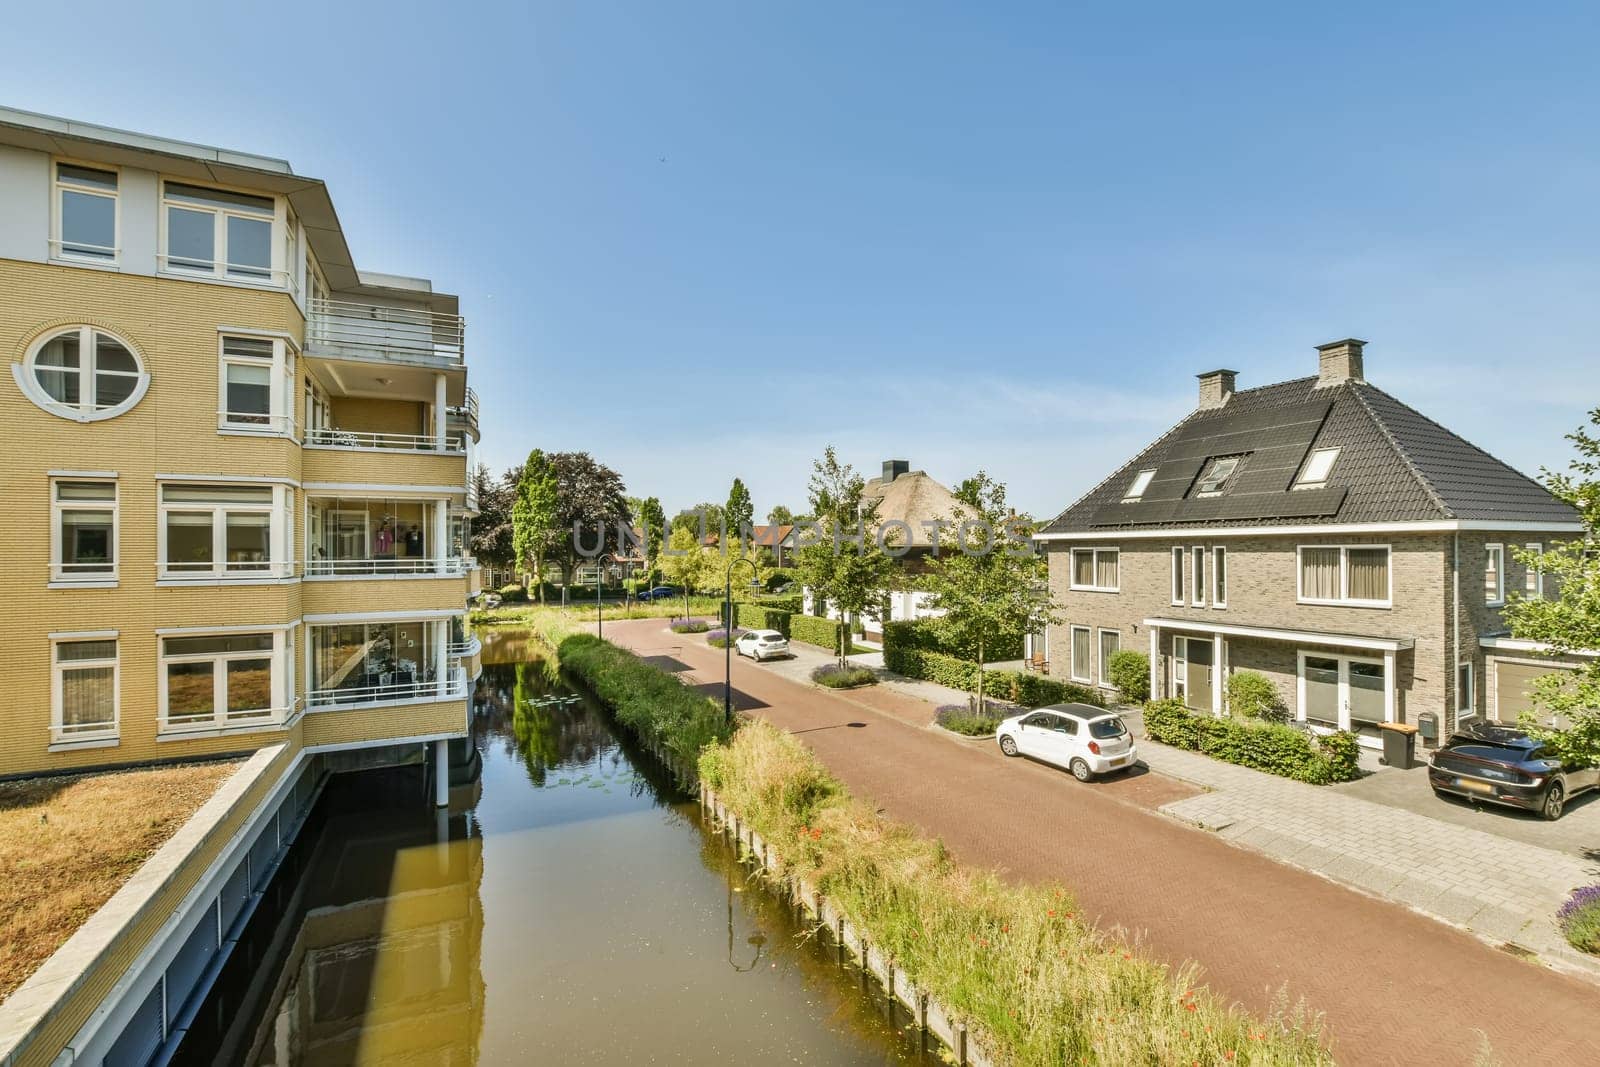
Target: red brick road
column 1394, row 986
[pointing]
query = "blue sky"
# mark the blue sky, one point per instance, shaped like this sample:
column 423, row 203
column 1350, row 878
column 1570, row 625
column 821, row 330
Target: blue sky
column 703, row 240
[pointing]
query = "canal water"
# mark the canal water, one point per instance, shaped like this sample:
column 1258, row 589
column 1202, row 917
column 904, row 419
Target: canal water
column 572, row 907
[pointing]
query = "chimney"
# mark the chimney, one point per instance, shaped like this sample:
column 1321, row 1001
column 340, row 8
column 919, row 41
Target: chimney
column 894, row 468
column 1216, row 386
column 1339, row 362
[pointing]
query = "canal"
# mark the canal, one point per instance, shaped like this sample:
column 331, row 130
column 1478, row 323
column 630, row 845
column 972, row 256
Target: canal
column 571, row 907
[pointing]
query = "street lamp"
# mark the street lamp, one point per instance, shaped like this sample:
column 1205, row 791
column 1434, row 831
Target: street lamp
column 599, row 606
column 727, row 615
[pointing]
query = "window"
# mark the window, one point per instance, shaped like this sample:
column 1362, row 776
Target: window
column 1216, row 474
column 86, row 213
column 82, row 373
column 1095, row 569
column 83, row 689
column 1177, row 575
column 1340, row 574
column 1219, row 577
column 1314, row 475
column 1494, row 574
column 217, row 530
column 83, row 531
column 1466, row 698
column 1533, row 580
column 1082, row 666
column 216, row 680
column 1141, row 482
column 1110, row 645
column 1197, row 587
column 255, row 385
column 378, row 662
column 217, row 232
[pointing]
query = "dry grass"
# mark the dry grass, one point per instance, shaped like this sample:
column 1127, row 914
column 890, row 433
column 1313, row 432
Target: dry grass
column 1016, row 962
column 68, row 843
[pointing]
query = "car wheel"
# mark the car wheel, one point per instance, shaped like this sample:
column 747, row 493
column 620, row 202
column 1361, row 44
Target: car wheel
column 1008, row 745
column 1080, row 770
column 1554, row 799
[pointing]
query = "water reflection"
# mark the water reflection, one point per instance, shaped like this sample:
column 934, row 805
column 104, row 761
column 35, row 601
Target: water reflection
column 573, row 911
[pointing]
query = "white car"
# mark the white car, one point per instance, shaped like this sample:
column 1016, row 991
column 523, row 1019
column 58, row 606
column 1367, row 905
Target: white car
column 761, row 644
column 1086, row 740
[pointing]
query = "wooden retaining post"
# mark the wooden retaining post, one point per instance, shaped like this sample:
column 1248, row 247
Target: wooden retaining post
column 961, row 1044
column 839, row 935
column 922, row 1017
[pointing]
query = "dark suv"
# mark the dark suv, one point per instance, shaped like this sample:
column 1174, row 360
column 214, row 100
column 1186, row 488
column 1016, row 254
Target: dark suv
column 1504, row 766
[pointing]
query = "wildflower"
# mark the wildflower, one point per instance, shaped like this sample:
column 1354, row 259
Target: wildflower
column 1051, row 913
column 1229, row 1054
column 1005, row 928
column 1191, row 1007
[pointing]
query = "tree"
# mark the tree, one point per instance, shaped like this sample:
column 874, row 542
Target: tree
column 687, row 564
column 842, row 561
column 1569, row 622
column 739, row 513
column 534, row 518
column 760, row 559
column 591, row 505
column 702, row 518
column 986, row 579
column 653, row 524
column 780, row 516
column 491, row 540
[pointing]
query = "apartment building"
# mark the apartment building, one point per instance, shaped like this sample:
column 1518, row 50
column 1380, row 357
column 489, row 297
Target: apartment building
column 1318, row 531
column 236, row 474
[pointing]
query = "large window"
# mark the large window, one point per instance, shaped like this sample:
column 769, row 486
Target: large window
column 215, row 680
column 217, row 530
column 1110, row 645
column 84, row 689
column 375, row 662
column 1082, row 666
column 1095, row 569
column 356, row 536
column 86, row 213
column 255, row 384
column 1345, row 574
column 83, row 531
column 1494, row 575
column 82, row 373
column 217, row 232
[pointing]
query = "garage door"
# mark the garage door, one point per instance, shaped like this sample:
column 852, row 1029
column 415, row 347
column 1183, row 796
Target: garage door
column 1513, row 688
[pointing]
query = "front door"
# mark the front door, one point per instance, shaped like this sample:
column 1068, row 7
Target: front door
column 1191, row 672
column 1344, row 693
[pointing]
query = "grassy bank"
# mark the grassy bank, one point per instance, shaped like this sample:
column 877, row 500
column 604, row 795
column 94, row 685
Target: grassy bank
column 578, row 612
column 1038, row 983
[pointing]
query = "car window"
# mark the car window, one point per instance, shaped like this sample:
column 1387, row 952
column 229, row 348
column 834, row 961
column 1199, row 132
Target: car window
column 1039, row 719
column 1064, row 725
column 1103, row 728
column 1492, row 753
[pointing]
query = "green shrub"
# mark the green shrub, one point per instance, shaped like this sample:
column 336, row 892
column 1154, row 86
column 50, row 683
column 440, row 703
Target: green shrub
column 512, row 594
column 1130, row 673
column 1253, row 696
column 1019, row 687
column 761, row 616
column 930, row 635
column 848, row 677
column 961, row 719
column 1271, row 747
column 814, row 631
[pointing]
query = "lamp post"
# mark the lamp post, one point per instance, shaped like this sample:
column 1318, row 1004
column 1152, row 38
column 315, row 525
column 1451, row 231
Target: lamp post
column 727, row 615
column 599, row 605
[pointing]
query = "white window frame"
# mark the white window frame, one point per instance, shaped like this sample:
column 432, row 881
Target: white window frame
column 58, row 731
column 1072, row 655
column 58, row 573
column 1094, row 551
column 1210, row 467
column 82, row 411
column 1100, row 650
column 1197, row 576
column 1140, row 483
column 1304, row 479
column 1497, row 552
column 1470, row 705
column 281, row 384
column 278, row 655
column 280, row 563
column 60, row 186
column 1219, row 576
column 1180, row 578
column 1533, row 578
column 221, row 269
column 1344, row 599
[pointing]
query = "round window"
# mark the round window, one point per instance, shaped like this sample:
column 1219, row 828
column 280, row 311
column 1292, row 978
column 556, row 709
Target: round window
column 82, row 373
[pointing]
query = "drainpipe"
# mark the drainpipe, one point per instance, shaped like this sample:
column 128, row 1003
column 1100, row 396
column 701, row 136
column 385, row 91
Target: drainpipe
column 1455, row 630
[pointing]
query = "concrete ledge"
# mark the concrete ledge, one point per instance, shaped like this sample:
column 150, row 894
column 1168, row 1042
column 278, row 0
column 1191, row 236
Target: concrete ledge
column 37, row 1002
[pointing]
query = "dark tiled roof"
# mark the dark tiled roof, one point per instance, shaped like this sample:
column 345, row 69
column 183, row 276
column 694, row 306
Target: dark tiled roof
column 1394, row 465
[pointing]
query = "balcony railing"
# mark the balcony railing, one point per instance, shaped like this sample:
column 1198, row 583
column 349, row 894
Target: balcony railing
column 466, row 414
column 345, row 327
column 467, row 646
column 392, row 442
column 399, row 567
column 398, row 690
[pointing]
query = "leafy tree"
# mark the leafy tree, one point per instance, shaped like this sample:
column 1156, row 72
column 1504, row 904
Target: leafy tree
column 739, row 513
column 780, row 516
column 1569, row 622
column 1130, row 673
column 591, row 503
column 491, row 540
column 702, row 518
column 534, row 518
column 843, row 562
column 759, row 557
column 688, row 564
column 990, row 585
column 653, row 522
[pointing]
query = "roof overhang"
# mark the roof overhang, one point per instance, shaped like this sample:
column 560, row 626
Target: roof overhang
column 1428, row 526
column 1514, row 644
column 1274, row 633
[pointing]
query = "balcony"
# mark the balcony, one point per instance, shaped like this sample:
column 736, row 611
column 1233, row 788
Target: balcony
column 347, row 329
column 389, row 567
column 391, row 687
column 333, row 437
column 465, row 415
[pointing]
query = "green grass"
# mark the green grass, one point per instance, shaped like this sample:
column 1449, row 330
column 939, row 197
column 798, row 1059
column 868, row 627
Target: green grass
column 526, row 614
column 1036, row 982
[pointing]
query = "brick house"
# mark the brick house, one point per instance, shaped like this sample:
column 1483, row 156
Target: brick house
column 1320, row 532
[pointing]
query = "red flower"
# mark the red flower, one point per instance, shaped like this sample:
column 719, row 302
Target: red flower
column 1051, row 913
column 1191, row 1007
column 1229, row 1054
column 1005, row 928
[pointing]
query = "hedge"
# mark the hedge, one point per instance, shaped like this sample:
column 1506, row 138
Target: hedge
column 814, row 631
column 761, row 617
column 1270, row 747
column 927, row 635
column 1019, row 687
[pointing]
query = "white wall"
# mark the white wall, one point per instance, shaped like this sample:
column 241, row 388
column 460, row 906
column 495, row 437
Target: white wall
column 24, row 204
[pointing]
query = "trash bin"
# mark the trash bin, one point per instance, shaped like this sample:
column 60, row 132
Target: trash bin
column 1399, row 745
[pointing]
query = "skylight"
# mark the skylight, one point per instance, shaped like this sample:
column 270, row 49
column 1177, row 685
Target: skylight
column 1216, row 475
column 1314, row 475
column 1141, row 482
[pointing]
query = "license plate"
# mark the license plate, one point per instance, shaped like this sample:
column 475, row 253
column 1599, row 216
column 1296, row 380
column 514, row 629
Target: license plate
column 1474, row 787
column 1119, row 761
